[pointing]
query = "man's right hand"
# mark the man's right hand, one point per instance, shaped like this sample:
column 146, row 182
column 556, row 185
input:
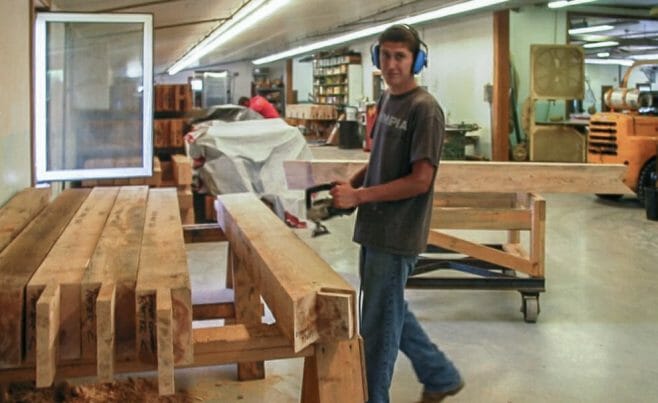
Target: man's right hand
column 344, row 195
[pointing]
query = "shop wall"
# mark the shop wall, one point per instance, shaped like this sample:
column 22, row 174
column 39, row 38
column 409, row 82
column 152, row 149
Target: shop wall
column 15, row 169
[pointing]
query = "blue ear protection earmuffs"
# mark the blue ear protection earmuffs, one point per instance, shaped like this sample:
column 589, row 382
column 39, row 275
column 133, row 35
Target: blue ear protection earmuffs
column 420, row 60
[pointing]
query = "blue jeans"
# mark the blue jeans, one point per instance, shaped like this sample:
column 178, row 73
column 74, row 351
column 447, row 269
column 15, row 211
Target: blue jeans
column 387, row 325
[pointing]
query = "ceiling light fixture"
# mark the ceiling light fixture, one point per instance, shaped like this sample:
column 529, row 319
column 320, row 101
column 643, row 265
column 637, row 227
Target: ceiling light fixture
column 374, row 30
column 567, row 3
column 619, row 62
column 247, row 16
column 603, row 44
column 603, row 54
column 589, row 30
column 653, row 56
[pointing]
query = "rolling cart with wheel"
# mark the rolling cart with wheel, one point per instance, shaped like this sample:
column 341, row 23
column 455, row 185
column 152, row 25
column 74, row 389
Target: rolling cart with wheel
column 504, row 266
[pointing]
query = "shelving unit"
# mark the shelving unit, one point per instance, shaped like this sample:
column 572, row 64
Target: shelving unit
column 338, row 79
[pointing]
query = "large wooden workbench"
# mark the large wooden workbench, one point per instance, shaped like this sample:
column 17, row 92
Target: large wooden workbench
column 96, row 283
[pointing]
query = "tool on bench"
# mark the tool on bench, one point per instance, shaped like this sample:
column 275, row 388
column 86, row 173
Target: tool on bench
column 322, row 209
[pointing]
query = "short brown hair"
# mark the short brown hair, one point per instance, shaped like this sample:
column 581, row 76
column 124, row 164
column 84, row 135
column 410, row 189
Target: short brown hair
column 402, row 33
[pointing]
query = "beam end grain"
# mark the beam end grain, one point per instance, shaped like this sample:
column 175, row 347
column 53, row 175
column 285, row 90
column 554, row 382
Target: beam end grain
column 105, row 331
column 48, row 317
column 336, row 319
column 164, row 313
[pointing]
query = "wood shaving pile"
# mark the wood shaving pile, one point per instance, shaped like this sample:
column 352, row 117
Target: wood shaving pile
column 124, row 391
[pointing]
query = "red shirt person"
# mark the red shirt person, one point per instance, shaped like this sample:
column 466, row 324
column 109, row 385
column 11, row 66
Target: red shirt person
column 261, row 105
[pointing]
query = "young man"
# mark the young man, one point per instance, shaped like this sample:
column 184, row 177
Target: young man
column 261, row 105
column 394, row 194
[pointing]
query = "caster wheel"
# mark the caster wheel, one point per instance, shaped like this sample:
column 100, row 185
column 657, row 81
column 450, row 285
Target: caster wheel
column 509, row 272
column 530, row 308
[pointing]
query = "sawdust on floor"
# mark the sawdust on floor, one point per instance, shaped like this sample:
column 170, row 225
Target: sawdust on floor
column 124, row 391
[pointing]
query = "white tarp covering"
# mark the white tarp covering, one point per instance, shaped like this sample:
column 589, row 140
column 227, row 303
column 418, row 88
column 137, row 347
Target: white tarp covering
column 247, row 156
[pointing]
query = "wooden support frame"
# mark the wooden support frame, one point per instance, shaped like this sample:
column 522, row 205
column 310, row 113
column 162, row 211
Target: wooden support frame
column 162, row 304
column 526, row 212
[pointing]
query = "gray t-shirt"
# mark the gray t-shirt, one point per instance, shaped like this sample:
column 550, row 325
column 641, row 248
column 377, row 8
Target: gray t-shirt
column 409, row 128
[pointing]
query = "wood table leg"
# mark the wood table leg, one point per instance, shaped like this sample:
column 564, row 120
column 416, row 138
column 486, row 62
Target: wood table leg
column 336, row 373
column 247, row 311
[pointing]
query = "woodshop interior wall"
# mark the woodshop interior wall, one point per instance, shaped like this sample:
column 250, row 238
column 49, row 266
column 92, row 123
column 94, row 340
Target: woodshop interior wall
column 15, row 25
column 460, row 63
column 302, row 79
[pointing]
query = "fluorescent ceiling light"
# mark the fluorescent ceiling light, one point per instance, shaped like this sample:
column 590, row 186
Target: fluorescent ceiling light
column 653, row 56
column 567, row 3
column 619, row 62
column 600, row 44
column 603, row 54
column 246, row 17
column 589, row 30
column 374, row 30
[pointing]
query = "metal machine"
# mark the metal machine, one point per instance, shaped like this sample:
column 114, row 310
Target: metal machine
column 628, row 133
column 322, row 209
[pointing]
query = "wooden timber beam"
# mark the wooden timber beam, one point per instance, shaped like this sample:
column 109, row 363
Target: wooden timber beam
column 65, row 265
column 475, row 176
column 20, row 260
column 163, row 266
column 288, row 274
column 114, row 263
column 19, row 211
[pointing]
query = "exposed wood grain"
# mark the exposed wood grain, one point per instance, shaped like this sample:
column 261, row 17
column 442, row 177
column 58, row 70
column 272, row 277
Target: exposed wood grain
column 105, row 331
column 65, row 265
column 115, row 261
column 247, row 309
column 17, row 213
column 479, row 251
column 165, row 342
column 285, row 270
column 48, row 319
column 537, row 238
column 335, row 374
column 20, row 260
column 182, row 169
column 474, row 176
column 163, row 265
column 480, row 218
column 336, row 317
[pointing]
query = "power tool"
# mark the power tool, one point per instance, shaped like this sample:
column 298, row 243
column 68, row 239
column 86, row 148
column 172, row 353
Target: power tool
column 322, row 209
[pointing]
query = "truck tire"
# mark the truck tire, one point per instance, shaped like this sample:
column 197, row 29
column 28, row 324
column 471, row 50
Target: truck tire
column 646, row 178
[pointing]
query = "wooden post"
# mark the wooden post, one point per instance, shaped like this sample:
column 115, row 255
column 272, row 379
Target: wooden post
column 247, row 311
column 537, row 236
column 335, row 373
column 501, row 87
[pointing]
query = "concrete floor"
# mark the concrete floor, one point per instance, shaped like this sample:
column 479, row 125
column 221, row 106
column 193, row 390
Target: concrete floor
column 594, row 341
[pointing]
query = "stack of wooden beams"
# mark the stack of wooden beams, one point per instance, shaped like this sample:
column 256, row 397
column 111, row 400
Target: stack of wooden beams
column 174, row 173
column 87, row 278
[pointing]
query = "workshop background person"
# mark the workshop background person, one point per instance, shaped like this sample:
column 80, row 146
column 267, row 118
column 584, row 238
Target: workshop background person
column 394, row 193
column 261, row 105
